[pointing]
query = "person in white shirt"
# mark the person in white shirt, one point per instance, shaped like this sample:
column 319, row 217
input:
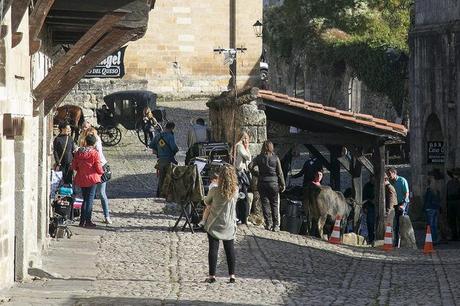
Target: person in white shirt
column 242, row 154
column 198, row 133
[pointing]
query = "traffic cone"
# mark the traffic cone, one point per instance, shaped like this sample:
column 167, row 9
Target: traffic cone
column 335, row 236
column 428, row 248
column 388, row 239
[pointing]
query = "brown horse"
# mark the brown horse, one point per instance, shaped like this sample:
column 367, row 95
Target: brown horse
column 73, row 115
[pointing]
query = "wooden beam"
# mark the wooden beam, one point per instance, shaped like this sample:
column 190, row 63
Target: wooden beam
column 319, row 156
column 3, row 31
column 335, row 153
column 34, row 46
column 108, row 44
column 379, row 162
column 18, row 9
column 366, row 163
column 323, row 139
column 16, row 39
column 357, row 184
column 36, row 21
column 51, row 81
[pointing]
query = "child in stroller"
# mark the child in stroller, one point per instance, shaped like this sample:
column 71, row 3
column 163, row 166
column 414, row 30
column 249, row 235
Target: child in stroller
column 63, row 212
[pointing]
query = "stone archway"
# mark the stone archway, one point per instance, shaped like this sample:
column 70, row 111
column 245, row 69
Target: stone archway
column 434, row 145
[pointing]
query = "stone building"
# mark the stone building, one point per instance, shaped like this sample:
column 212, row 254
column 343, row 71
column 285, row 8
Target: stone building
column 434, row 90
column 35, row 76
column 176, row 58
column 340, row 89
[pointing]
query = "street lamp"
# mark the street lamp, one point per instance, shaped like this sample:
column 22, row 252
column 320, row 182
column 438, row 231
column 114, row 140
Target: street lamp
column 258, row 28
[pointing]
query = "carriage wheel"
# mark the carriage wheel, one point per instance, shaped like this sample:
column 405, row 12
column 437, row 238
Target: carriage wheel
column 110, row 136
column 140, row 131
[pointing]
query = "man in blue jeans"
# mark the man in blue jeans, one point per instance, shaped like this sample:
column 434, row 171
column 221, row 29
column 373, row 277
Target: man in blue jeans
column 402, row 194
column 432, row 201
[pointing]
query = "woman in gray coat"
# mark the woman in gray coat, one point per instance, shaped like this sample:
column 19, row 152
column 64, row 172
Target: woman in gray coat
column 221, row 222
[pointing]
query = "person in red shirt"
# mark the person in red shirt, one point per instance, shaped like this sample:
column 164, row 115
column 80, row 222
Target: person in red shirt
column 87, row 164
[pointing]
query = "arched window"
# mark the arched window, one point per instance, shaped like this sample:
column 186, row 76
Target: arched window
column 354, row 95
column 299, row 83
column 434, row 141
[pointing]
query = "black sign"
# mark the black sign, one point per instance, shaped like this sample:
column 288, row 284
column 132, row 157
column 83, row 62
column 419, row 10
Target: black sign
column 435, row 152
column 111, row 67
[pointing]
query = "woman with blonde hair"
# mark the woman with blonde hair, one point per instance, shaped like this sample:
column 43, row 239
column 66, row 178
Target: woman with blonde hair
column 242, row 155
column 221, row 222
column 148, row 125
column 101, row 187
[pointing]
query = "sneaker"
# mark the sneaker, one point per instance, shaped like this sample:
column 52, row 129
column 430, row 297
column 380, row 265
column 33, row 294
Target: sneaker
column 107, row 220
column 275, row 229
column 90, row 224
column 82, row 223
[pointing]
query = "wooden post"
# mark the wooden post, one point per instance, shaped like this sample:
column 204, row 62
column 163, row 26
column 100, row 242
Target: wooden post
column 357, row 183
column 335, row 152
column 379, row 172
column 36, row 19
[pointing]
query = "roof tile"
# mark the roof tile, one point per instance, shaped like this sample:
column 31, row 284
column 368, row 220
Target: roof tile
column 358, row 118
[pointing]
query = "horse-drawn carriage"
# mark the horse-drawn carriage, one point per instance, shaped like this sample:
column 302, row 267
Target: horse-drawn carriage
column 127, row 109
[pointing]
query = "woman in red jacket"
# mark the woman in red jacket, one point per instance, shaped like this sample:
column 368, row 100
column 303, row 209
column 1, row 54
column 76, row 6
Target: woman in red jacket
column 88, row 166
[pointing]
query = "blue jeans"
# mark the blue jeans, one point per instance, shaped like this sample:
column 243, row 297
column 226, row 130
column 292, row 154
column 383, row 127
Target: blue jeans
column 100, row 191
column 88, row 199
column 432, row 221
column 370, row 220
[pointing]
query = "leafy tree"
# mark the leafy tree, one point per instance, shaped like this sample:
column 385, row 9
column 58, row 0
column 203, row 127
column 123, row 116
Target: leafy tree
column 368, row 35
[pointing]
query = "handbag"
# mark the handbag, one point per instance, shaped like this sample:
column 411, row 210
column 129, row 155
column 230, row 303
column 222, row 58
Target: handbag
column 107, row 173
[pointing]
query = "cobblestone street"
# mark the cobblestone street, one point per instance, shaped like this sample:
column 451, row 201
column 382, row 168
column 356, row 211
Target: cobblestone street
column 138, row 261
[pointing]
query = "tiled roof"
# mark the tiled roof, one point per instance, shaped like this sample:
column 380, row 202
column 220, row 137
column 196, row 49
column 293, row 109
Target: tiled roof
column 357, row 118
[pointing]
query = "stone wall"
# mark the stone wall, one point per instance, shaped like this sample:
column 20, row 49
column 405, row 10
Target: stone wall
column 24, row 164
column 175, row 58
column 436, row 11
column 434, row 93
column 247, row 117
column 331, row 88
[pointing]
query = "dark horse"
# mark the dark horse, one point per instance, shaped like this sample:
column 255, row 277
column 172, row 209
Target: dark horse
column 73, row 115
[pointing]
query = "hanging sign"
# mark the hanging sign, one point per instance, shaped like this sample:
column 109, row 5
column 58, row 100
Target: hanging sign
column 435, row 152
column 111, row 67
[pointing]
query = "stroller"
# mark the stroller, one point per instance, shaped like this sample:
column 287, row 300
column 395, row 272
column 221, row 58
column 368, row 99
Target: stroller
column 63, row 213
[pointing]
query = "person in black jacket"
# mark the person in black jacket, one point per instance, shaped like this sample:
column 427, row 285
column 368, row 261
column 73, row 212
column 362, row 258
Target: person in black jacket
column 63, row 148
column 453, row 202
column 270, row 184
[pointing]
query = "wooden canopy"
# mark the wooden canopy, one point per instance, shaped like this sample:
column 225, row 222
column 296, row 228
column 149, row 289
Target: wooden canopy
column 348, row 136
column 93, row 29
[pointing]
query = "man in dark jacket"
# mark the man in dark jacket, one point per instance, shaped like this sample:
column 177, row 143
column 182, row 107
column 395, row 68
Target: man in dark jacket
column 369, row 208
column 309, row 169
column 453, row 202
column 63, row 148
column 164, row 146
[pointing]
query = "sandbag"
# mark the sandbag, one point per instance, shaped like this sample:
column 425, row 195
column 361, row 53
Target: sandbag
column 406, row 232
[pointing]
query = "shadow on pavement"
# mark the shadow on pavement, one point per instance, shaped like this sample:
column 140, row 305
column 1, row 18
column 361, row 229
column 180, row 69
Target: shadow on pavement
column 119, row 301
column 132, row 186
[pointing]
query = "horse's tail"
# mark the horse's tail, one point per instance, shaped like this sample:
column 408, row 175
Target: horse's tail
column 82, row 118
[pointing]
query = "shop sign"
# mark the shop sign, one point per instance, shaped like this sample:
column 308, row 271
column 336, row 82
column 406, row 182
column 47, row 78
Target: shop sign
column 435, row 152
column 111, row 67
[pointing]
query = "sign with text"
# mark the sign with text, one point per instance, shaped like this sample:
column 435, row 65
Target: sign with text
column 435, row 152
column 111, row 67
